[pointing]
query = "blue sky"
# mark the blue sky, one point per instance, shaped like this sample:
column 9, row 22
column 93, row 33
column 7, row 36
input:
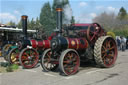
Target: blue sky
column 83, row 10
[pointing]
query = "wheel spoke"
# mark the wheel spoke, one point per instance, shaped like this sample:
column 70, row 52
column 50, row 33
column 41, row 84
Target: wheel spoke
column 103, row 52
column 26, row 54
column 92, row 37
column 103, row 57
column 112, row 48
column 67, row 62
column 104, row 47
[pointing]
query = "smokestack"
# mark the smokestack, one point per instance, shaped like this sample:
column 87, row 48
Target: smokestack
column 59, row 19
column 24, row 25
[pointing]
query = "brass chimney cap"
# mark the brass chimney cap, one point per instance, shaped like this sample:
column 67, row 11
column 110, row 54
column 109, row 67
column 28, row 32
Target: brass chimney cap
column 24, row 16
column 58, row 9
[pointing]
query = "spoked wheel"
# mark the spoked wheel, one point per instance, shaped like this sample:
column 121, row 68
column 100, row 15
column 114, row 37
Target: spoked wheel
column 13, row 56
column 105, row 51
column 29, row 58
column 5, row 51
column 93, row 32
column 69, row 62
column 47, row 63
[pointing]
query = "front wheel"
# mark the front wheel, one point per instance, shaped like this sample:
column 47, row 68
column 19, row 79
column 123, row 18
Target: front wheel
column 13, row 56
column 47, row 63
column 29, row 58
column 5, row 51
column 69, row 62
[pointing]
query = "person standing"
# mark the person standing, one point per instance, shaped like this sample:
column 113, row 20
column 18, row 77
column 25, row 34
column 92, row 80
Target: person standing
column 122, row 43
column 127, row 42
column 118, row 42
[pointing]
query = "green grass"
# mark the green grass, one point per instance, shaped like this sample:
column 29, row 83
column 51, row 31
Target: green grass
column 6, row 67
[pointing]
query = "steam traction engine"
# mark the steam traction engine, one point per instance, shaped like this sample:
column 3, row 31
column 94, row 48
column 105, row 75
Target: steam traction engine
column 89, row 43
column 27, row 51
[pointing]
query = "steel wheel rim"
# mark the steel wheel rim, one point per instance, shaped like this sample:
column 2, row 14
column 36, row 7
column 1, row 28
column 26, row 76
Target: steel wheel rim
column 109, row 52
column 14, row 57
column 29, row 58
column 48, row 65
column 5, row 51
column 71, row 63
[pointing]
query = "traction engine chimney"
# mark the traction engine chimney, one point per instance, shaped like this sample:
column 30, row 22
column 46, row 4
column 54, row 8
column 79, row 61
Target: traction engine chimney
column 24, row 25
column 59, row 19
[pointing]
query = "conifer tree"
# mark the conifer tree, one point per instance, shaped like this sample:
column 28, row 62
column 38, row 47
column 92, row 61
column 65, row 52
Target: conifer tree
column 46, row 17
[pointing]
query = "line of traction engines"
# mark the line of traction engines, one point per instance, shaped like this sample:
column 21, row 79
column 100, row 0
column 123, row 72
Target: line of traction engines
column 65, row 50
column 25, row 46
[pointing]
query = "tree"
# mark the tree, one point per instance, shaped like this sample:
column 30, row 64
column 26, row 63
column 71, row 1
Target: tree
column 11, row 23
column 38, row 26
column 72, row 20
column 46, row 17
column 122, row 13
column 19, row 25
column 55, row 3
column 108, row 20
column 32, row 24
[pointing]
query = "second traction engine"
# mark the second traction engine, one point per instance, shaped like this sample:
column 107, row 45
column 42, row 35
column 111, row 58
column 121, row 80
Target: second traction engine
column 28, row 50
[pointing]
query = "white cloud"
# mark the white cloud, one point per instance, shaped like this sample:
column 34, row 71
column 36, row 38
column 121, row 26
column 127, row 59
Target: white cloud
column 17, row 12
column 93, row 15
column 82, row 4
column 107, row 9
column 110, row 8
column 83, row 18
column 6, row 17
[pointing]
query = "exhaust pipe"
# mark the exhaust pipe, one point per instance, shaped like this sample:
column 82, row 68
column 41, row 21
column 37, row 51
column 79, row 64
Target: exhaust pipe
column 24, row 26
column 59, row 19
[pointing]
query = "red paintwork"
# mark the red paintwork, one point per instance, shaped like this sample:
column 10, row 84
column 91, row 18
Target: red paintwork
column 51, row 36
column 75, row 43
column 46, row 44
column 43, row 44
column 34, row 43
column 81, row 24
column 40, row 44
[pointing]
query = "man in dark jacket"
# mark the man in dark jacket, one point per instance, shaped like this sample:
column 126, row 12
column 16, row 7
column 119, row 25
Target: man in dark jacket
column 127, row 43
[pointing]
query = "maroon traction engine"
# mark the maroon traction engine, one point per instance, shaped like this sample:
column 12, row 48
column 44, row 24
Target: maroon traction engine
column 90, row 43
column 27, row 51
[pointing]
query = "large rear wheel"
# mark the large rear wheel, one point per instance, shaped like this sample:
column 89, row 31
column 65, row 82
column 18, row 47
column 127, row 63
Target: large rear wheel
column 105, row 51
column 28, row 58
column 69, row 62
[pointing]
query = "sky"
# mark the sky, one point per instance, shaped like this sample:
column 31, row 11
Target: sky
column 83, row 10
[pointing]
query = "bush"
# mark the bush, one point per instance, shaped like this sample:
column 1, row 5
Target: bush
column 111, row 34
column 14, row 66
column 121, row 32
column 9, row 69
column 4, row 64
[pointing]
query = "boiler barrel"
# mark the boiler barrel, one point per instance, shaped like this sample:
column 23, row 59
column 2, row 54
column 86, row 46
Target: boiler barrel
column 35, row 43
column 40, row 44
column 60, row 43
